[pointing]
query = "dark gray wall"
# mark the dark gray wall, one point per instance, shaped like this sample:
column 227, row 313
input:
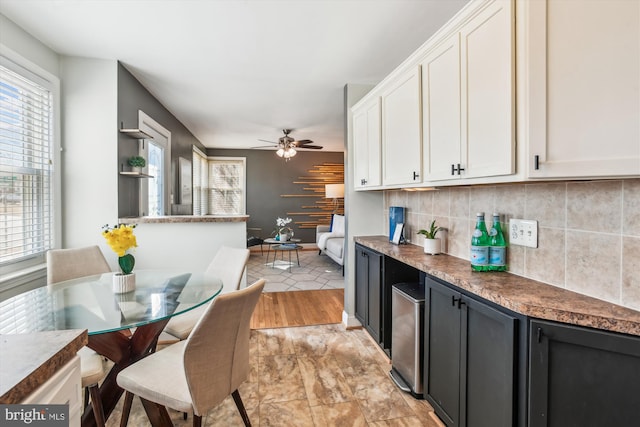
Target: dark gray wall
column 268, row 177
column 132, row 96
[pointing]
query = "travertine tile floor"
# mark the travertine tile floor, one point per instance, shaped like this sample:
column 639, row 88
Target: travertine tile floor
column 315, row 272
column 312, row 376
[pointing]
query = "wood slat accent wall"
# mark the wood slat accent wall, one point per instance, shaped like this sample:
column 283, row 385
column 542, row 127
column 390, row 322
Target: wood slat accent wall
column 313, row 186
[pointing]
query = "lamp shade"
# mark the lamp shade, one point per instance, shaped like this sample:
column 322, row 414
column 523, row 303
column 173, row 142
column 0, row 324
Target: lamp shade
column 334, row 191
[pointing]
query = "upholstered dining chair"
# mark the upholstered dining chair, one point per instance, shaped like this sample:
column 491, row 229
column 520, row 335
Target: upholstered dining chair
column 197, row 374
column 67, row 264
column 228, row 264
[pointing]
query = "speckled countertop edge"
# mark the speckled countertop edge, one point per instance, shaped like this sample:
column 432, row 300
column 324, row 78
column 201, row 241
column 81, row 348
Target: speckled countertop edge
column 28, row 360
column 521, row 295
column 176, row 219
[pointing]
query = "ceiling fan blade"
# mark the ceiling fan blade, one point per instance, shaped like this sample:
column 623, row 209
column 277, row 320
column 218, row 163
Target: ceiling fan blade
column 313, row 147
column 304, row 141
column 265, row 146
column 270, row 142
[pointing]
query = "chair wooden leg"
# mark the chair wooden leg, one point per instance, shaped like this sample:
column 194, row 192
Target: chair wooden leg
column 243, row 412
column 96, row 404
column 126, row 409
column 86, row 397
column 319, row 251
column 197, row 420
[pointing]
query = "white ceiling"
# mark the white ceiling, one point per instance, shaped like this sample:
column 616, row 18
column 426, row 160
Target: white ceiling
column 234, row 71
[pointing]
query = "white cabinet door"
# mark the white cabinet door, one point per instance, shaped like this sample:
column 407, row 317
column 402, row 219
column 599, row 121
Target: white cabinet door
column 64, row 387
column 401, row 131
column 366, row 145
column 488, row 116
column 468, row 99
column 441, row 110
column 584, row 88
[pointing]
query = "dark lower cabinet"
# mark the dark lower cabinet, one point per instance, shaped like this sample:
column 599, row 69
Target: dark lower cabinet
column 375, row 275
column 582, row 377
column 470, row 359
column 368, row 291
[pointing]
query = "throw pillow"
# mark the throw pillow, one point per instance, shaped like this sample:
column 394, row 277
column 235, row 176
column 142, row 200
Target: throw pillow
column 337, row 224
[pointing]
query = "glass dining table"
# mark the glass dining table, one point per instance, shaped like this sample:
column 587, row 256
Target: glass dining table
column 90, row 303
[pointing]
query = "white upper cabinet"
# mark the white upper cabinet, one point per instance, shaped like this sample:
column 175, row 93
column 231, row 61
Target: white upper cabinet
column 468, row 99
column 366, row 145
column 488, row 92
column 441, row 110
column 401, row 130
column 584, row 88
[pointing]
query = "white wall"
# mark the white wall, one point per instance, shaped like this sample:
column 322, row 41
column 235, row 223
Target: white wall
column 89, row 150
column 362, row 208
column 89, row 134
column 24, row 44
column 189, row 246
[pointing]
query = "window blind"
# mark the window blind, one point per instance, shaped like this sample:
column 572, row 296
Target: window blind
column 226, row 186
column 17, row 314
column 26, row 165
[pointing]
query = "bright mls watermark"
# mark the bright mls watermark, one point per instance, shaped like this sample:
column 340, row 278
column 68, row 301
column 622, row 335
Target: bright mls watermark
column 34, row 415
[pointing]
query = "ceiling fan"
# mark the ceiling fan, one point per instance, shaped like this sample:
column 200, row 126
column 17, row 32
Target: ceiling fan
column 286, row 146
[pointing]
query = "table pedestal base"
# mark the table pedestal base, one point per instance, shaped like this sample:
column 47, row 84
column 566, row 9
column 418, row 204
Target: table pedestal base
column 125, row 350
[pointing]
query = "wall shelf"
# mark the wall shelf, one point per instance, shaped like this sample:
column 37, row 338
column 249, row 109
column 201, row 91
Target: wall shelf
column 136, row 175
column 136, row 134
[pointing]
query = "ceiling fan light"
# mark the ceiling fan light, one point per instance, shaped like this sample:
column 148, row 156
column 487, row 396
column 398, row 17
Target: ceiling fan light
column 280, row 152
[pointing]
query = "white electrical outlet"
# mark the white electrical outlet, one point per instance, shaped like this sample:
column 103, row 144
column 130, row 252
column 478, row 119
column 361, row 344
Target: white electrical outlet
column 523, row 232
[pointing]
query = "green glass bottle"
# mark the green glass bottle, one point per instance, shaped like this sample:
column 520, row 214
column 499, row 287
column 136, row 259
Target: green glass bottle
column 498, row 246
column 480, row 245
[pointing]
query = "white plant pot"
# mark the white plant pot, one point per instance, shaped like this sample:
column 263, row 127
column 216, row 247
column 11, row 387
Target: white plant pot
column 432, row 246
column 284, row 237
column 123, row 283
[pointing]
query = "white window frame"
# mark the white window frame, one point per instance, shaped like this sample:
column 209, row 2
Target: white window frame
column 150, row 126
column 200, row 182
column 33, row 268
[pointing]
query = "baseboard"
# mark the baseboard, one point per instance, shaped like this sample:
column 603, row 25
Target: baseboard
column 350, row 322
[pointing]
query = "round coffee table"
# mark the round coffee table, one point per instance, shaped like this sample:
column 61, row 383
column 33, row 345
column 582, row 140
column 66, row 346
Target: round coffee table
column 271, row 241
column 282, row 248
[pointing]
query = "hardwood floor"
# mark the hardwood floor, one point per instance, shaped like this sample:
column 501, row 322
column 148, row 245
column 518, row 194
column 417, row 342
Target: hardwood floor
column 299, row 308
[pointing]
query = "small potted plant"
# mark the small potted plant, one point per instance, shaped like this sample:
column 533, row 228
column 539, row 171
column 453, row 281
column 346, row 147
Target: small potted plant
column 432, row 244
column 137, row 163
column 284, row 232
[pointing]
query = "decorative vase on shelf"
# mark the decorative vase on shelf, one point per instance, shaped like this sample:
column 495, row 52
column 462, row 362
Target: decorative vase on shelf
column 123, row 283
column 432, row 246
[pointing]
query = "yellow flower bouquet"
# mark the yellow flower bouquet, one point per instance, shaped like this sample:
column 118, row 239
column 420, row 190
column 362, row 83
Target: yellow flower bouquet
column 121, row 238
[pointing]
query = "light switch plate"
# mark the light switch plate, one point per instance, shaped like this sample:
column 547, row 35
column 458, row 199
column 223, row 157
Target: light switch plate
column 523, row 232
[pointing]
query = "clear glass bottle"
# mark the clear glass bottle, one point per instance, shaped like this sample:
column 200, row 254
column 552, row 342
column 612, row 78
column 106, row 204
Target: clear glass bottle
column 480, row 245
column 497, row 246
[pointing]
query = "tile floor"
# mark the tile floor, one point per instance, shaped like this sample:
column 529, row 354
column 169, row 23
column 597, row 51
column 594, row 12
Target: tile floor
column 312, row 376
column 315, row 271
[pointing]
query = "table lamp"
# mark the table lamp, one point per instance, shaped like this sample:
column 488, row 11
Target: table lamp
column 335, row 192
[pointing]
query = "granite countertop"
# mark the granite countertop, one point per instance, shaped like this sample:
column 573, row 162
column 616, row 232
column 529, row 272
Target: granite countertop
column 29, row 360
column 173, row 219
column 521, row 295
